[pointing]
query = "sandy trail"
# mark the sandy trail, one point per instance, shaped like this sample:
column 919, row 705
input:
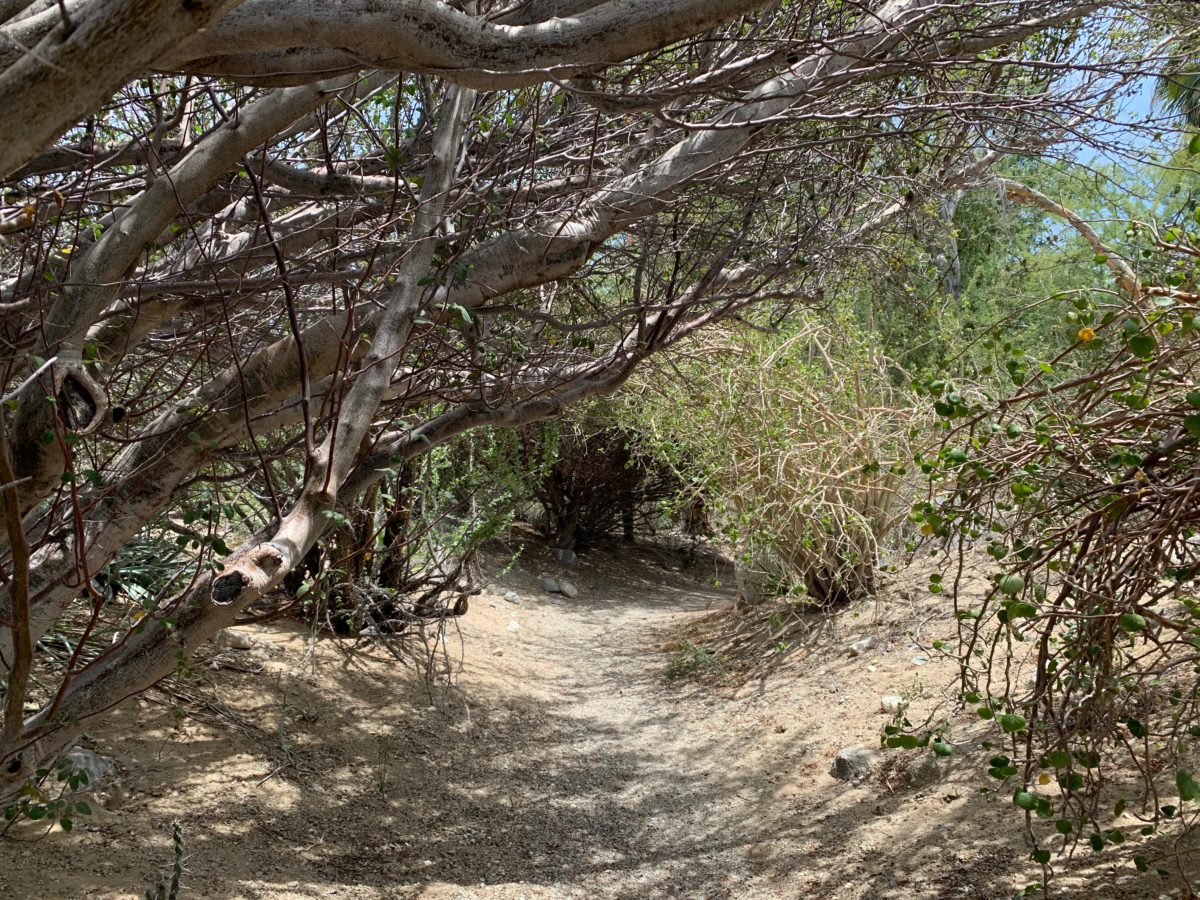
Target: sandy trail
column 563, row 764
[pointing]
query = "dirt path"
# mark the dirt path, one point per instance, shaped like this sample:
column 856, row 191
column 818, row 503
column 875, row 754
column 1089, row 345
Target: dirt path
column 564, row 764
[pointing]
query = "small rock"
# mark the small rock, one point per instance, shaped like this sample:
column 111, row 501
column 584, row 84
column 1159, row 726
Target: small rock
column 78, row 759
column 513, row 626
column 512, row 597
column 925, row 770
column 562, row 554
column 549, row 585
column 568, row 589
column 854, row 763
column 891, row 703
column 497, row 653
column 862, row 646
column 234, row 640
column 920, row 660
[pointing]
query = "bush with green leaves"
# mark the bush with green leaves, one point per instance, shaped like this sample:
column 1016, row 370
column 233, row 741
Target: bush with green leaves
column 50, row 797
column 1074, row 478
column 402, row 557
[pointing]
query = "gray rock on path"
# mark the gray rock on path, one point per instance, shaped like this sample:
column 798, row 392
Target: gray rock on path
column 927, row 769
column 80, row 759
column 549, row 585
column 512, row 597
column 567, row 589
column 860, row 647
column 234, row 640
column 890, row 703
column 854, row 763
column 563, row 555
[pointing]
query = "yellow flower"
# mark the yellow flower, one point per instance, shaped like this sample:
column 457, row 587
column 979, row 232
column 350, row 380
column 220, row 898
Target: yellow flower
column 1086, row 334
column 926, row 528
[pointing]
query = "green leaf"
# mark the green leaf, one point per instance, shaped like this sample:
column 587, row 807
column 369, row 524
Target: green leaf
column 1133, row 622
column 1100, row 258
column 1097, row 842
column 1021, row 610
column 1012, row 723
column 1141, row 864
column 1059, row 759
column 1089, row 759
column 1136, row 728
column 1188, row 789
column 1040, row 856
column 1071, row 782
column 1141, row 345
column 1192, row 424
column 1193, row 398
column 1193, row 146
column 1026, row 800
column 1010, row 584
column 1063, row 826
column 941, row 748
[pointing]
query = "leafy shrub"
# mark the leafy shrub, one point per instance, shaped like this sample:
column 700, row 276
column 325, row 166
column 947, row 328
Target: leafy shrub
column 689, row 659
column 402, row 557
column 1080, row 486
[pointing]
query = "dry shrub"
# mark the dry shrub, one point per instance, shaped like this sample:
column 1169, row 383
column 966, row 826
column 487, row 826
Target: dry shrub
column 799, row 440
column 590, row 481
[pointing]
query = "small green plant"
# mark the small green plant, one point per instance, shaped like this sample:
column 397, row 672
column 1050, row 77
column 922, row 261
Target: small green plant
column 691, row 659
column 35, row 803
column 381, row 772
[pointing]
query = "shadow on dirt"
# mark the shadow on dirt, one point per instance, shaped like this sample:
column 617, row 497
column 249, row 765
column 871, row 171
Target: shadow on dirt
column 359, row 786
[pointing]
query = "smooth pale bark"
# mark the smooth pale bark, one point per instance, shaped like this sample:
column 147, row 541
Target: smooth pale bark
column 68, row 74
column 147, row 656
column 265, row 37
column 259, row 567
column 96, row 277
column 1123, row 274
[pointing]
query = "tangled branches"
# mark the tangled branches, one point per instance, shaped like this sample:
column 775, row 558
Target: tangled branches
column 1083, row 487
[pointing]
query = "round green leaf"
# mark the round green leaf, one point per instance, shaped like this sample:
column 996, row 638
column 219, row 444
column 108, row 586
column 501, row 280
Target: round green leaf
column 1133, row 622
column 1025, row 799
column 1141, row 345
column 1010, row 584
column 1012, row 723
